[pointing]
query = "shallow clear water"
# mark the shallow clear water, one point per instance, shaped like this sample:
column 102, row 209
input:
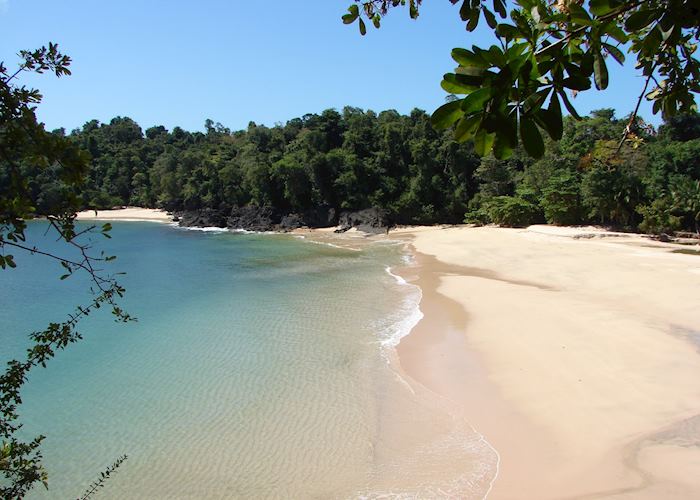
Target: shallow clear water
column 258, row 368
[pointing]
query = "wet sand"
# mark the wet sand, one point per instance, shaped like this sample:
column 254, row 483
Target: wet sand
column 575, row 355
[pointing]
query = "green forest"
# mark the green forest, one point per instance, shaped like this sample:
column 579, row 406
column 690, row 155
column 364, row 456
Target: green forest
column 355, row 159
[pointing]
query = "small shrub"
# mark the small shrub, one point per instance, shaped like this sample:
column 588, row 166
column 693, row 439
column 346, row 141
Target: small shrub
column 657, row 218
column 510, row 211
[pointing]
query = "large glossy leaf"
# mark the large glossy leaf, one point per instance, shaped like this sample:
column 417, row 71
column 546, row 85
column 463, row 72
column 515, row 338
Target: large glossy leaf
column 531, row 137
column 551, row 119
column 579, row 15
column 600, row 71
column 467, row 58
column 557, row 126
column 615, row 53
column 600, row 7
column 501, row 148
column 569, row 107
column 640, row 19
column 500, row 7
column 475, row 101
column 483, row 142
column 447, row 114
column 611, row 28
column 576, row 83
column 507, row 31
column 490, row 18
column 353, row 13
column 466, row 77
column 466, row 127
column 452, row 83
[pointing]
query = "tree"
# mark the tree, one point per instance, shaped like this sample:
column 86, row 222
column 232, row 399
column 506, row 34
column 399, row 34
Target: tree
column 515, row 89
column 26, row 151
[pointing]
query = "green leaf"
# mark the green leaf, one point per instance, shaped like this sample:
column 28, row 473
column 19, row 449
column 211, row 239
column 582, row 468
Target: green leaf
column 507, row 31
column 413, row 10
column 495, row 56
column 576, row 83
column 473, row 21
column 558, row 123
column 470, row 76
column 363, row 28
column 353, row 14
column 500, row 7
column 579, row 15
column 600, row 7
column 447, row 114
column 531, row 137
column 475, row 101
column 615, row 32
column 501, row 148
column 615, row 53
column 470, row 71
column 467, row 58
column 640, row 19
column 483, row 142
column 466, row 127
column 569, row 107
column 465, row 11
column 451, row 83
column 600, row 71
column 490, row 18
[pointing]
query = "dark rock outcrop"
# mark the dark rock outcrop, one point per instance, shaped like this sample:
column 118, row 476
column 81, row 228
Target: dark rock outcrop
column 369, row 220
column 261, row 219
column 323, row 216
column 253, row 218
column 205, row 217
column 290, row 222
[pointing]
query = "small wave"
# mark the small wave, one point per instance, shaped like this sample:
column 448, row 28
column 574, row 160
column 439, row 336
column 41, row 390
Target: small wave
column 214, row 229
column 408, row 259
column 201, row 229
column 398, row 278
column 400, row 329
column 333, row 245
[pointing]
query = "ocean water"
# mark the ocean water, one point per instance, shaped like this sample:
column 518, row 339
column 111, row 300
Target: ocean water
column 261, row 366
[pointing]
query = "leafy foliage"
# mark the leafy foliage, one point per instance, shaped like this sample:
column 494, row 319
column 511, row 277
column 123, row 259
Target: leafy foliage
column 515, row 90
column 104, row 476
column 40, row 172
column 355, row 159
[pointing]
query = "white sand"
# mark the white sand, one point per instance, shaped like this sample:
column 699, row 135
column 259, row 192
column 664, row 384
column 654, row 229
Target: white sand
column 590, row 351
column 126, row 214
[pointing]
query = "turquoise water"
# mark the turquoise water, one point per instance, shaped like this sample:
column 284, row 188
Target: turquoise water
column 258, row 369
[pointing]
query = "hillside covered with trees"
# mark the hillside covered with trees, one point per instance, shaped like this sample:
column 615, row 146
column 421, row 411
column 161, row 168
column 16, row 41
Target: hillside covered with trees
column 355, row 159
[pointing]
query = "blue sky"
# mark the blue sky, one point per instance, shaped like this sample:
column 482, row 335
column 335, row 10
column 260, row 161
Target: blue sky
column 181, row 62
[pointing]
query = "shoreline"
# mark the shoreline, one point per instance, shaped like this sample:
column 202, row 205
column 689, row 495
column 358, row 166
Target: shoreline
column 126, row 214
column 573, row 352
column 548, row 345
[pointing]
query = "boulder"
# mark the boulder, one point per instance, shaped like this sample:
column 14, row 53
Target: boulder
column 253, row 218
column 370, row 220
column 205, row 217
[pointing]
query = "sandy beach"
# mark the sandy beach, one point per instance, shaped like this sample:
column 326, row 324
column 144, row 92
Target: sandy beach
column 126, row 214
column 575, row 352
